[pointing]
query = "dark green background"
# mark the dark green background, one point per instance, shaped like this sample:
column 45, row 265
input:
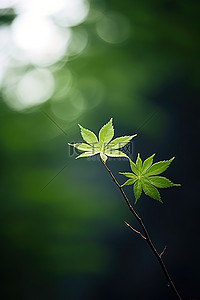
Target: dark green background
column 69, row 240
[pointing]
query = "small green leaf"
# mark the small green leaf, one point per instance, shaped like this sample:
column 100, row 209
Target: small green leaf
column 159, row 167
column 129, row 181
column 82, row 146
column 137, row 189
column 103, row 156
column 139, row 162
column 143, row 179
column 161, row 182
column 134, row 167
column 119, row 142
column 88, row 136
column 115, row 153
column 150, row 190
column 129, row 175
column 106, row 134
column 86, row 154
column 147, row 163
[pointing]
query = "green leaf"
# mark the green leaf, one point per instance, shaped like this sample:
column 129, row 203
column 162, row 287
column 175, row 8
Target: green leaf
column 129, row 175
column 134, row 167
column 147, row 163
column 159, row 167
column 86, row 154
column 161, row 182
column 106, row 134
column 142, row 178
column 139, row 163
column 115, row 153
column 88, row 136
column 103, row 156
column 137, row 189
column 129, row 181
column 82, row 146
column 119, row 142
column 94, row 146
column 150, row 190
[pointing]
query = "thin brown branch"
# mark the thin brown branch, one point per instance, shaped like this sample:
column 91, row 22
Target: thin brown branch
column 161, row 254
column 146, row 234
column 133, row 229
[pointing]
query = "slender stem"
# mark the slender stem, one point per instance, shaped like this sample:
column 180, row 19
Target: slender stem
column 146, row 236
column 161, row 254
column 133, row 229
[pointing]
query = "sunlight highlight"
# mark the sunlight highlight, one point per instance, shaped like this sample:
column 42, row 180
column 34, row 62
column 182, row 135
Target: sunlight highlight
column 43, row 42
column 35, row 87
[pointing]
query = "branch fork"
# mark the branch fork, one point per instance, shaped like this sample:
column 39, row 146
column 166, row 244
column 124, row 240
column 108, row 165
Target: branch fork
column 161, row 254
column 133, row 229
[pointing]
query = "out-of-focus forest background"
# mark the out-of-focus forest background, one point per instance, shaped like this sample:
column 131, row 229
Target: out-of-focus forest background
column 64, row 62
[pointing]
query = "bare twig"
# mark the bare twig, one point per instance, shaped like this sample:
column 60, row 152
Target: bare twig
column 161, row 254
column 133, row 229
column 146, row 234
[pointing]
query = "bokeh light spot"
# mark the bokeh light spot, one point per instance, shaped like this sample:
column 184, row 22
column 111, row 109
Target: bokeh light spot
column 69, row 108
column 42, row 41
column 63, row 83
column 40, row 7
column 113, row 28
column 74, row 13
column 35, row 87
column 78, row 42
column 7, row 3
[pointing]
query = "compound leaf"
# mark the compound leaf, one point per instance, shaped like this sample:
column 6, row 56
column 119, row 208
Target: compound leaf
column 102, row 146
column 143, row 177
